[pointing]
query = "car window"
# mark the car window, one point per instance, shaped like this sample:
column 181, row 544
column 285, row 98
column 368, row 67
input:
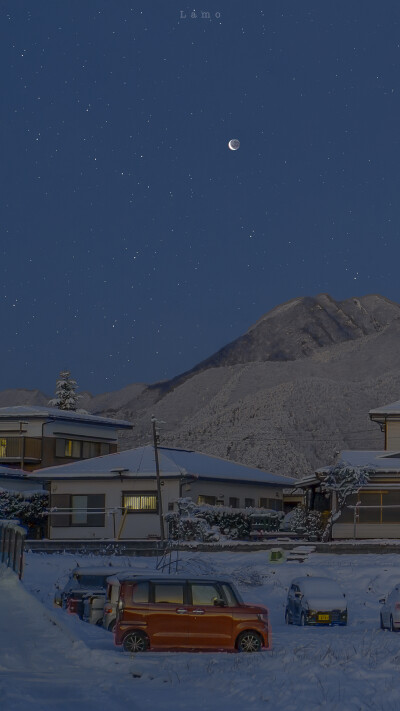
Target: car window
column 140, row 592
column 204, row 594
column 91, row 581
column 168, row 592
column 230, row 596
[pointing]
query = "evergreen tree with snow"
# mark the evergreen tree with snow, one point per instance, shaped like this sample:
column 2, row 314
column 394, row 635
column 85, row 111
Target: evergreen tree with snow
column 66, row 397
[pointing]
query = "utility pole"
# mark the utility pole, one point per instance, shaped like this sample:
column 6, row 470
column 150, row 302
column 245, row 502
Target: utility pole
column 160, row 508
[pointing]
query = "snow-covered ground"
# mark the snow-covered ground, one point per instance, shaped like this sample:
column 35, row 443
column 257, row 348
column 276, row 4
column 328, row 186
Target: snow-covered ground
column 51, row 660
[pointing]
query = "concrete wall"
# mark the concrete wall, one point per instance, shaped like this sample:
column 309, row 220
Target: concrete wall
column 366, row 530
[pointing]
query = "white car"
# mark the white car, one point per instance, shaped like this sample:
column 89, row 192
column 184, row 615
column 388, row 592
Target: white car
column 390, row 610
column 315, row 601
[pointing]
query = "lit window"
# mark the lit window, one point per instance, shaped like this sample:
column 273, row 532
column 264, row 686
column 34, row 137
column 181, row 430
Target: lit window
column 210, row 500
column 3, row 447
column 68, row 448
column 140, row 502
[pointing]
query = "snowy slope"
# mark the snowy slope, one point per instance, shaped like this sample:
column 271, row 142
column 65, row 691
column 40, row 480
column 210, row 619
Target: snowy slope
column 50, row 660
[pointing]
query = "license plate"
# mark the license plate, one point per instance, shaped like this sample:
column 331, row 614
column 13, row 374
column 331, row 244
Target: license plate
column 323, row 618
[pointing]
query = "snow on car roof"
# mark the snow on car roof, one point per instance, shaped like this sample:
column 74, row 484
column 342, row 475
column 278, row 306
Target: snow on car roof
column 322, row 585
column 126, row 576
column 102, row 570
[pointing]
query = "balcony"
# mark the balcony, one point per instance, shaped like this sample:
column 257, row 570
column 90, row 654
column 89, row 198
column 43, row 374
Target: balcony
column 20, row 449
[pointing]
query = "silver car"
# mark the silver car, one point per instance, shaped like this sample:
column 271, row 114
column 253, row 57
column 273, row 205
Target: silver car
column 390, row 610
column 93, row 605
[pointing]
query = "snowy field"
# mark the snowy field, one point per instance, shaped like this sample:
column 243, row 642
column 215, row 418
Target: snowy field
column 51, row 660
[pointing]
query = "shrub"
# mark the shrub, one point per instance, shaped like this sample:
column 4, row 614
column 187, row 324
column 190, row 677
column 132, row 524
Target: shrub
column 205, row 522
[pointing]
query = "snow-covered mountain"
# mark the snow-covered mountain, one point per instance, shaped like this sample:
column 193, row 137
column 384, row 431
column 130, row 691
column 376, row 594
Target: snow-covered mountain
column 286, row 396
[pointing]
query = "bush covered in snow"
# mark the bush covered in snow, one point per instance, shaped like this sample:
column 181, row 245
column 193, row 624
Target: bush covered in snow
column 306, row 522
column 30, row 508
column 204, row 522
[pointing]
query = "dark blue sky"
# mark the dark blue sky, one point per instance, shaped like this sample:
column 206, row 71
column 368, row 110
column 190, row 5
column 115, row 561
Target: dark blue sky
column 134, row 243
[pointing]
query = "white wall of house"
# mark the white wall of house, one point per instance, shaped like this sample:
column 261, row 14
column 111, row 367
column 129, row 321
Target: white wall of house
column 57, row 428
column 223, row 490
column 137, row 525
column 392, row 439
column 69, row 428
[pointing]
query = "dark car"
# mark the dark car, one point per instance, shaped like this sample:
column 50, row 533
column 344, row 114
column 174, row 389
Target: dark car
column 315, row 601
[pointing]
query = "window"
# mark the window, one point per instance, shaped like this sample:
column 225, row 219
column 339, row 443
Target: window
column 383, row 507
column 168, row 592
column 204, row 594
column 79, row 514
column 94, row 449
column 231, row 598
column 85, row 510
column 140, row 502
column 210, row 500
column 68, row 448
column 248, row 503
column 234, row 503
column 76, row 449
column 3, row 447
column 272, row 504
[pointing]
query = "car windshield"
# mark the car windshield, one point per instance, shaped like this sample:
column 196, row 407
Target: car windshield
column 91, row 581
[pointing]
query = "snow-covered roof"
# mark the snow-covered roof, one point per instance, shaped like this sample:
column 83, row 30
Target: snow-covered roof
column 173, row 463
column 53, row 413
column 11, row 473
column 392, row 409
column 382, row 460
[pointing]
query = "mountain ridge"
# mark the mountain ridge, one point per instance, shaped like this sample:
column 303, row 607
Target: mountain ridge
column 286, row 396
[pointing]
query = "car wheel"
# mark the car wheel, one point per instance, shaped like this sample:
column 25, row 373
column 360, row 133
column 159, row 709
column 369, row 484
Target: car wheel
column 135, row 642
column 288, row 619
column 303, row 620
column 111, row 626
column 392, row 627
column 249, row 642
column 381, row 622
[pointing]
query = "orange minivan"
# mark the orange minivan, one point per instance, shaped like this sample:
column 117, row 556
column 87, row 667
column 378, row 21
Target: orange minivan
column 182, row 613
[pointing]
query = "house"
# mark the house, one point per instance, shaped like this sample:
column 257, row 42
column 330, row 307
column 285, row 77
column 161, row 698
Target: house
column 116, row 495
column 37, row 437
column 17, row 480
column 377, row 514
column 388, row 418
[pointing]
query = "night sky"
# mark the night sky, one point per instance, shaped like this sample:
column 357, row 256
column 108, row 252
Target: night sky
column 134, row 243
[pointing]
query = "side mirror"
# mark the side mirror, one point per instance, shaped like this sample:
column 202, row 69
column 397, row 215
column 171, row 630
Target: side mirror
column 382, row 600
column 218, row 602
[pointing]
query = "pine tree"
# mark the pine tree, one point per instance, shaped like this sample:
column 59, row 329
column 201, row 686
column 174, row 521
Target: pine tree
column 66, row 396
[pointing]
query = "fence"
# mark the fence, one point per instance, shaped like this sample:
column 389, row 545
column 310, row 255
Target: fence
column 12, row 540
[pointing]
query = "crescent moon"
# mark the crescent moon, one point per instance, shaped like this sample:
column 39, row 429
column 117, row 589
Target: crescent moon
column 234, row 144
